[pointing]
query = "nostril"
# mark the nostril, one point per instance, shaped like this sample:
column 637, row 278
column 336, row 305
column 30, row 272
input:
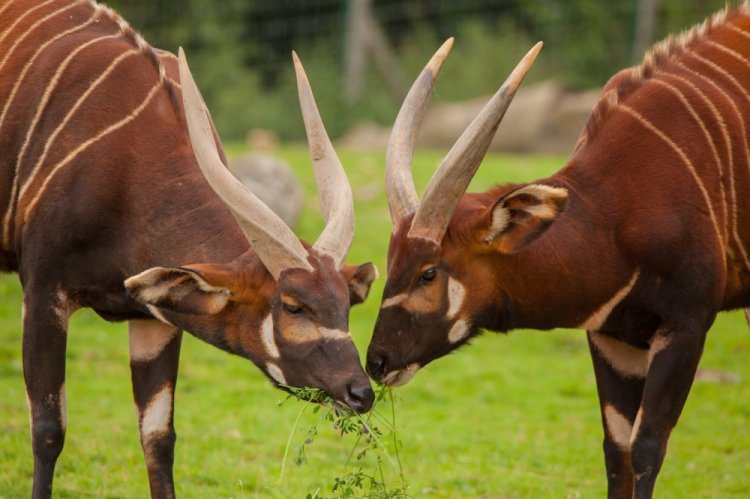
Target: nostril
column 376, row 365
column 361, row 397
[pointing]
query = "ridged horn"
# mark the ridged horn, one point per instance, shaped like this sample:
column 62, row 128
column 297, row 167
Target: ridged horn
column 451, row 179
column 273, row 241
column 399, row 184
column 333, row 186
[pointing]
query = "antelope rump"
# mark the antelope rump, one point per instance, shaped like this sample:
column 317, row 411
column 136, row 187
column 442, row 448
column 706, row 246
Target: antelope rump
column 641, row 239
column 115, row 197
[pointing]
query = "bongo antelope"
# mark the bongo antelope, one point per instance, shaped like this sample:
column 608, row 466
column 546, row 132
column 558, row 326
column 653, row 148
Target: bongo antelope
column 114, row 196
column 641, row 239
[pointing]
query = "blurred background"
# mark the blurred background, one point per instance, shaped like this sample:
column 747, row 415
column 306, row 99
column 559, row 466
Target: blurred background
column 361, row 55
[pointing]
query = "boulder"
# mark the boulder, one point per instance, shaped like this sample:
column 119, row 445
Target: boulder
column 542, row 118
column 272, row 181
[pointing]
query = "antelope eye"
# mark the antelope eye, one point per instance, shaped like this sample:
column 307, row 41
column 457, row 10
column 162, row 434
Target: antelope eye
column 427, row 276
column 291, row 309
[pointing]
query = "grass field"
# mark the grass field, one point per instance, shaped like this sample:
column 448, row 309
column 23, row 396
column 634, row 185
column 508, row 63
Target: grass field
column 508, row 416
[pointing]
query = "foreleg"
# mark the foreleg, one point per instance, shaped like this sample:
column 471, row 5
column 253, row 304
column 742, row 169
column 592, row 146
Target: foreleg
column 154, row 358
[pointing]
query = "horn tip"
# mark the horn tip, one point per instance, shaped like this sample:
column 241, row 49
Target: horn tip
column 299, row 70
column 437, row 60
column 536, row 48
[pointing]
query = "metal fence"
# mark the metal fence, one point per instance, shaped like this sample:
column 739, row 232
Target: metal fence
column 363, row 48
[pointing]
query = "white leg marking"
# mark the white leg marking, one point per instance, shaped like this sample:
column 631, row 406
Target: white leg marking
column 618, row 427
column 63, row 405
column 394, row 300
column 658, row 343
column 597, row 319
column 147, row 338
column 456, row 295
column 636, row 426
column 267, row 336
column 275, row 373
column 158, row 414
column 623, row 358
column 71, row 156
column 31, row 415
column 458, row 331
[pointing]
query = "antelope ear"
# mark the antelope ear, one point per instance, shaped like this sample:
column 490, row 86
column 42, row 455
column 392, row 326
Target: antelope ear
column 181, row 290
column 360, row 279
column 522, row 215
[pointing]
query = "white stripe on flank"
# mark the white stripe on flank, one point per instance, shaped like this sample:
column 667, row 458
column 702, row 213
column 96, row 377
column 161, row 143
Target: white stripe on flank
column 20, row 18
column 597, row 319
column 31, row 28
column 739, row 30
column 724, row 132
column 71, row 156
column 681, row 97
column 8, row 3
column 28, row 65
column 40, row 108
column 741, row 121
column 730, row 52
column 50, row 140
column 689, row 164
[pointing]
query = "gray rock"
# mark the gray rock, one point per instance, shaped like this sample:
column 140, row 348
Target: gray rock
column 273, row 182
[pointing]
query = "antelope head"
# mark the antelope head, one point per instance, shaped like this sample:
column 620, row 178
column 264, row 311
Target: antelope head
column 284, row 304
column 437, row 283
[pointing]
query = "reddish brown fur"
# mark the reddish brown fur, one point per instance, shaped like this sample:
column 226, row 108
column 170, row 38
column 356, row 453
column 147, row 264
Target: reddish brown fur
column 131, row 201
column 649, row 222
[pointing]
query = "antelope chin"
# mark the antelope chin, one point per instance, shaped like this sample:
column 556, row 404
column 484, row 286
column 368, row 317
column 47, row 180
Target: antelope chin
column 402, row 376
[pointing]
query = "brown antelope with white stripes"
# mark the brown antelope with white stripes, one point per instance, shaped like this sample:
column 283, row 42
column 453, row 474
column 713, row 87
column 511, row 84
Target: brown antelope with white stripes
column 641, row 239
column 115, row 197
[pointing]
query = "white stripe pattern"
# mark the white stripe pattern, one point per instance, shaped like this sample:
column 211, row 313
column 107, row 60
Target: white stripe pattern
column 31, row 61
column 81, row 148
column 685, row 159
column 733, row 104
column 50, row 140
column 685, row 102
column 40, row 108
column 20, row 18
column 30, row 29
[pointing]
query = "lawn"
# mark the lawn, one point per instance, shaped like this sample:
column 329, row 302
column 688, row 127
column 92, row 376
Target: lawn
column 508, row 416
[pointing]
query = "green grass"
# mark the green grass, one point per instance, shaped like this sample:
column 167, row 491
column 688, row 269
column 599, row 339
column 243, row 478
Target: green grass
column 508, row 416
